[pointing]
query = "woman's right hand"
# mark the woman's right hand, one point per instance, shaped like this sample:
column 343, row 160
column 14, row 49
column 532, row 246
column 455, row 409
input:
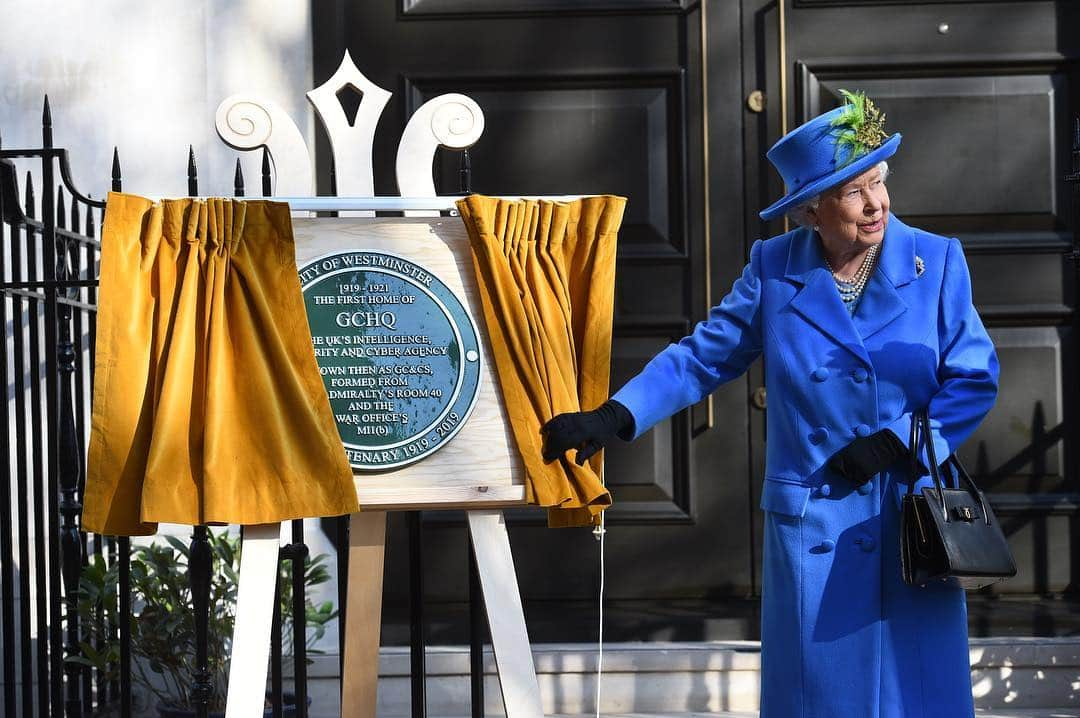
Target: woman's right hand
column 587, row 431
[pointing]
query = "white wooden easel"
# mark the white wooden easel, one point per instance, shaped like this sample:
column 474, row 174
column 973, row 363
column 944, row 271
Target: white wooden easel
column 367, row 537
column 453, row 477
column 477, row 471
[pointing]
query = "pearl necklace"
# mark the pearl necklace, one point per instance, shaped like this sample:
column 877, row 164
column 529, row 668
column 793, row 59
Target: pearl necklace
column 850, row 289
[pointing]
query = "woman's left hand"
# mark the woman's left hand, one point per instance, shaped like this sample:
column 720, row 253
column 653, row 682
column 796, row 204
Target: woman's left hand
column 867, row 455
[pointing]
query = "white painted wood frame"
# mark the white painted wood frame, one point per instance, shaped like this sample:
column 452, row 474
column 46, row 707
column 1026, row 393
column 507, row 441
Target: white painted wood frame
column 254, row 617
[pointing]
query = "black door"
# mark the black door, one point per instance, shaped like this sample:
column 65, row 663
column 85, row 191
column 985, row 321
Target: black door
column 673, row 103
column 984, row 94
column 595, row 96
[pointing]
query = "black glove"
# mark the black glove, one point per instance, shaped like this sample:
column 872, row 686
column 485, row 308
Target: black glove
column 867, row 455
column 587, row 431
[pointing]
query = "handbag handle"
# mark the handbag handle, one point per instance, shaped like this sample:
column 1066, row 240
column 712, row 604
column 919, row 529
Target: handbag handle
column 920, row 433
column 962, row 475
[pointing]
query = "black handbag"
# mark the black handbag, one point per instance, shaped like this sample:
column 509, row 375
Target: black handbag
column 949, row 534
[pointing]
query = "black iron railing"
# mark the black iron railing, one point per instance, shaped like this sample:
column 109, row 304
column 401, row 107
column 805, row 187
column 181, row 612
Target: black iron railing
column 48, row 268
column 48, row 280
column 48, row 306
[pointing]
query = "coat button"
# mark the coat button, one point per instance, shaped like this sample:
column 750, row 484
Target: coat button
column 866, row 488
column 820, row 374
column 827, row 545
column 824, row 490
column 819, row 435
column 859, row 374
column 862, row 430
column 866, row 543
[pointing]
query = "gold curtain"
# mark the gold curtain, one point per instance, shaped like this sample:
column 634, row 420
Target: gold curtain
column 208, row 404
column 546, row 272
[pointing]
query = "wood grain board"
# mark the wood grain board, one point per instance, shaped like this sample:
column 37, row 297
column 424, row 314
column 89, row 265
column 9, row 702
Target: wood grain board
column 479, row 467
column 360, row 674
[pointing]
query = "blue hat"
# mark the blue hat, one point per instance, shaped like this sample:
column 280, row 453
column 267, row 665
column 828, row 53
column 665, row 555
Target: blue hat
column 829, row 150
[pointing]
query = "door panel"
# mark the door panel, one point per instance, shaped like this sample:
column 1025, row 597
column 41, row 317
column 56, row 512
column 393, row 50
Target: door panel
column 987, row 140
column 574, row 134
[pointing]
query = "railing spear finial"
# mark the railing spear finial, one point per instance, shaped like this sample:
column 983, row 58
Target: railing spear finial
column 30, row 200
column 117, row 181
column 192, row 174
column 267, row 190
column 46, row 125
column 238, row 180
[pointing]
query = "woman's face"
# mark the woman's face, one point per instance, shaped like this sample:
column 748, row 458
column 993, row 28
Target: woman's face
column 853, row 216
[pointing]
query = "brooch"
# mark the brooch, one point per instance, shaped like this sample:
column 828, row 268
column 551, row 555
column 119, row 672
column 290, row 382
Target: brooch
column 919, row 265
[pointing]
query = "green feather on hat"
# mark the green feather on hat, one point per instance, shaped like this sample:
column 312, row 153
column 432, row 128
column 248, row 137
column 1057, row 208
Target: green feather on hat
column 860, row 127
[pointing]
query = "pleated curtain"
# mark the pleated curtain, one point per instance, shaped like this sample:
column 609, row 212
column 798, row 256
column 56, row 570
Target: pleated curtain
column 208, row 403
column 546, row 273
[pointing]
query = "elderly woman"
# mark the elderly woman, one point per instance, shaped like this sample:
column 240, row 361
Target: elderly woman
column 862, row 320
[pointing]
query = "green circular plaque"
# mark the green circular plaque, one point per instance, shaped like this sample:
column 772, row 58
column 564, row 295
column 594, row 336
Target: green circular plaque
column 398, row 352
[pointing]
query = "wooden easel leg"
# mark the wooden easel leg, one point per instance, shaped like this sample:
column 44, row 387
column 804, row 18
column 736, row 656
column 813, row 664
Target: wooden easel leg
column 363, row 614
column 506, row 619
column 254, row 616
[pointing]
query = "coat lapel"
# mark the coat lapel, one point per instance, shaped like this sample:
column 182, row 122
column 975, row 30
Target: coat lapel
column 817, row 300
column 881, row 303
column 819, row 303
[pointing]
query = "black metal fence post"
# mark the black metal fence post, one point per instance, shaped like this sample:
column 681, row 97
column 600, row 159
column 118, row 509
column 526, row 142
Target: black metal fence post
column 48, row 216
column 83, row 325
column 7, row 551
column 477, row 619
column 275, row 647
column 477, row 622
column 41, row 502
column 416, row 616
column 200, row 563
column 342, row 528
column 69, row 467
column 298, row 551
column 22, row 506
column 123, row 551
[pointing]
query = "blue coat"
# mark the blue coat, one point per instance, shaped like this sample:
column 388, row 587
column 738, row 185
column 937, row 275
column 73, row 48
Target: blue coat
column 842, row 635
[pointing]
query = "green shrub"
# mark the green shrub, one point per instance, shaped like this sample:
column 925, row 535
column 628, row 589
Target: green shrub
column 163, row 621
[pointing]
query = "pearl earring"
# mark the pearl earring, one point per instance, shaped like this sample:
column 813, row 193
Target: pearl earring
column 816, row 228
